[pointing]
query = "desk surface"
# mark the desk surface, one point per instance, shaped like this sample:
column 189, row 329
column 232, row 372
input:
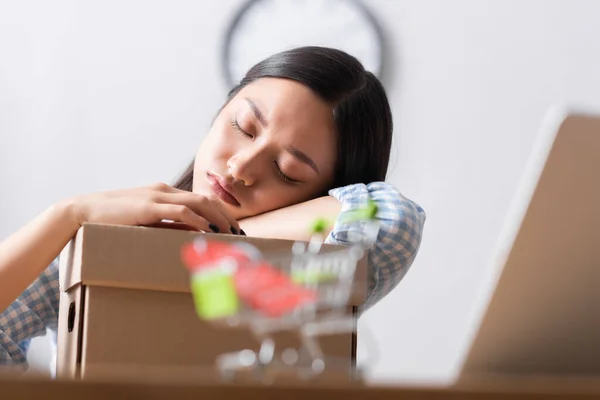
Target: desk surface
column 16, row 388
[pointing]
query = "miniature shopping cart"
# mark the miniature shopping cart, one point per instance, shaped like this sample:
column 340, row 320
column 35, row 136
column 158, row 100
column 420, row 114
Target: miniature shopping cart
column 304, row 291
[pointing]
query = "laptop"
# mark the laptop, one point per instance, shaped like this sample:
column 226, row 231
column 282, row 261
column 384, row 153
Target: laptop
column 539, row 309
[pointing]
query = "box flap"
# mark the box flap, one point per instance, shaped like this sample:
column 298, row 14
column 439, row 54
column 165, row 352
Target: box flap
column 149, row 258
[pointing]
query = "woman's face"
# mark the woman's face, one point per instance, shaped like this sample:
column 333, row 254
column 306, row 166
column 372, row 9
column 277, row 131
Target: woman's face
column 273, row 145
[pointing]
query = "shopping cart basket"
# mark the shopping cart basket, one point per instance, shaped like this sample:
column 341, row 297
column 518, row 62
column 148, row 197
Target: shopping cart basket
column 305, row 291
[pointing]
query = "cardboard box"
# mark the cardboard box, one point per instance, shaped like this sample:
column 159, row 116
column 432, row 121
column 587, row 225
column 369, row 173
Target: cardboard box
column 126, row 301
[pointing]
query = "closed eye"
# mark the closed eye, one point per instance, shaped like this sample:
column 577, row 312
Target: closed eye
column 284, row 177
column 239, row 129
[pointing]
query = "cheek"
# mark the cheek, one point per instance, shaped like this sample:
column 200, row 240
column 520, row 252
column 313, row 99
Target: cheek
column 210, row 153
column 276, row 195
column 213, row 146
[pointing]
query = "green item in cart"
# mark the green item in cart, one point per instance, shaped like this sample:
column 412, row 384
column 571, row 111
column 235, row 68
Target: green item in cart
column 366, row 213
column 319, row 226
column 214, row 294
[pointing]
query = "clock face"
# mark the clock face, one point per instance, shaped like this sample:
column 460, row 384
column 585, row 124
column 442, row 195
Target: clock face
column 264, row 27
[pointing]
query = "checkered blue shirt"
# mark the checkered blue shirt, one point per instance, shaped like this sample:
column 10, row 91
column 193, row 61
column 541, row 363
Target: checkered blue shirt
column 402, row 221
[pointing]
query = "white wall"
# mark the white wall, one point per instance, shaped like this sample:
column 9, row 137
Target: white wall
column 93, row 94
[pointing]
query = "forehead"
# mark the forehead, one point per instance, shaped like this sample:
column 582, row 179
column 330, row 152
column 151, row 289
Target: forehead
column 285, row 101
column 295, row 115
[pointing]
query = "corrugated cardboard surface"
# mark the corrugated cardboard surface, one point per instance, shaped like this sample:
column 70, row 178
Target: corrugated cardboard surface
column 125, row 300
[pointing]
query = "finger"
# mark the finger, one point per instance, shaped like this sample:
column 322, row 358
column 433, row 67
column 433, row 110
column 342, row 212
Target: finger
column 197, row 202
column 232, row 221
column 182, row 214
column 203, row 207
column 199, row 199
column 162, row 188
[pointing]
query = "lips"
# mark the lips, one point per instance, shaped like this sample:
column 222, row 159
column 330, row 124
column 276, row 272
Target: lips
column 222, row 189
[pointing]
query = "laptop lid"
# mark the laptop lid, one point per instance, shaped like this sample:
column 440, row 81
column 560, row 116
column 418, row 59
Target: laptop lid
column 539, row 311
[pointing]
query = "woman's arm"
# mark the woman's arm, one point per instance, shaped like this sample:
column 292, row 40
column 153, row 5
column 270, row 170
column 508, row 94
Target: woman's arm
column 28, row 252
column 25, row 254
column 292, row 222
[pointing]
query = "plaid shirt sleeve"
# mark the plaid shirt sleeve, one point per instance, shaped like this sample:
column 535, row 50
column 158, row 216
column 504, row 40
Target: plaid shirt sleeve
column 29, row 316
column 399, row 238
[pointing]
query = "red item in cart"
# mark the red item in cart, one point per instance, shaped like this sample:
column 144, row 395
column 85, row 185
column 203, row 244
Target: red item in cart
column 265, row 288
column 202, row 253
column 278, row 301
column 256, row 278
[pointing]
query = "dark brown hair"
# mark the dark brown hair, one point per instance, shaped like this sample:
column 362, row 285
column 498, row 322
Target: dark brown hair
column 362, row 114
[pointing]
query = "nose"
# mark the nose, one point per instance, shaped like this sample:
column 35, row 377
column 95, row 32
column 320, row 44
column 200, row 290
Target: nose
column 243, row 167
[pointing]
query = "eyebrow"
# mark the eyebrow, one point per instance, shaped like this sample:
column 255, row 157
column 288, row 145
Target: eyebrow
column 303, row 157
column 257, row 112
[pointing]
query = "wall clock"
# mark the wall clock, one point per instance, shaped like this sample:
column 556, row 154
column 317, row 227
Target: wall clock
column 263, row 27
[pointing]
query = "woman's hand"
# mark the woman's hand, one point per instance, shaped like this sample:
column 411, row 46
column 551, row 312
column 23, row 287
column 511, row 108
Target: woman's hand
column 150, row 206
